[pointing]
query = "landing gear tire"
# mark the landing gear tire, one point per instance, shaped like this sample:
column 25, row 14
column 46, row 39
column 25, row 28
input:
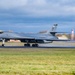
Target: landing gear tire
column 27, row 45
column 34, row 45
column 2, row 45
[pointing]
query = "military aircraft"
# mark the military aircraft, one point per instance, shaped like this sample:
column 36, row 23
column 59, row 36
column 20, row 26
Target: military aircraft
column 31, row 38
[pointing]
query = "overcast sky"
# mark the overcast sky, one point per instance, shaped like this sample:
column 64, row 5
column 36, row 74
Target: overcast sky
column 37, row 15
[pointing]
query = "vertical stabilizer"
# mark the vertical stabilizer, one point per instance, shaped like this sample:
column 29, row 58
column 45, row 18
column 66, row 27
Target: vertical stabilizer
column 53, row 29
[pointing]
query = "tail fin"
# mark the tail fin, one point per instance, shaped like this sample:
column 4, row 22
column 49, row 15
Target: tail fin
column 53, row 29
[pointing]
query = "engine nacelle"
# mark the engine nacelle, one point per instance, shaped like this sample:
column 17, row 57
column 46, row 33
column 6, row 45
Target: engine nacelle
column 45, row 41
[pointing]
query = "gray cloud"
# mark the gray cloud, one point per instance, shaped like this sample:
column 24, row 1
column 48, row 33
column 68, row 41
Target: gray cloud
column 37, row 8
column 36, row 14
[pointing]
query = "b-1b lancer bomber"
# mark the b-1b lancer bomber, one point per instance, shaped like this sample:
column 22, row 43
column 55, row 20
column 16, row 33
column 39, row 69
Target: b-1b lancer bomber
column 31, row 39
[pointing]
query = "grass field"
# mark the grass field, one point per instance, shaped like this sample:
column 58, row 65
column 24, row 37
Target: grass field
column 36, row 61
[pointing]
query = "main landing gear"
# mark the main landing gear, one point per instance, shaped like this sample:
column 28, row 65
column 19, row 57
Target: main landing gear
column 28, row 45
column 34, row 45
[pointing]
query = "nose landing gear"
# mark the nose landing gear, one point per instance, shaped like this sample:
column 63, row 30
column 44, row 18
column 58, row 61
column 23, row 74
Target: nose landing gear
column 3, row 42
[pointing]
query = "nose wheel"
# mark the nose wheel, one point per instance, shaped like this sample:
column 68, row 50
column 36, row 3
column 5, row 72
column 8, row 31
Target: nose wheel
column 3, row 45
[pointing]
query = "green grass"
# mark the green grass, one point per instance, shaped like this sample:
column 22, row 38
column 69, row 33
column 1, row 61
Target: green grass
column 37, row 61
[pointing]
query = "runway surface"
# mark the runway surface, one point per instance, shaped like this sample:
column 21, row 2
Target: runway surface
column 38, row 47
column 50, row 45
